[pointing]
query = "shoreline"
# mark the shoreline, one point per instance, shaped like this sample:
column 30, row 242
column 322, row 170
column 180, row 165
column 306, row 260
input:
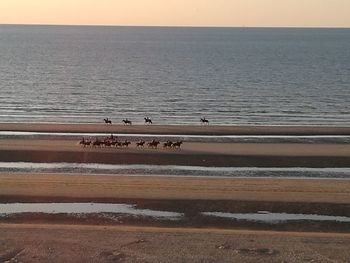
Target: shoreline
column 176, row 129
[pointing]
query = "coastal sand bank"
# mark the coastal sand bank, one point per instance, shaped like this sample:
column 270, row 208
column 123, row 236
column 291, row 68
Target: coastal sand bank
column 75, row 187
column 41, row 238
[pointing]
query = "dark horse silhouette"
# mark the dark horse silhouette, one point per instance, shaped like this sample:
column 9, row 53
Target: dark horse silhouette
column 153, row 144
column 167, row 144
column 126, row 143
column 204, row 121
column 148, row 120
column 177, row 145
column 107, row 121
column 82, row 142
column 140, row 143
column 97, row 143
column 85, row 142
column 127, row 122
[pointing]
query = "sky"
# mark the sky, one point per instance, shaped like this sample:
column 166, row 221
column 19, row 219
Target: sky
column 228, row 13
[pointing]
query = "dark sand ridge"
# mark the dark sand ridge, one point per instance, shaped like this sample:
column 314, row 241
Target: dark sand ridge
column 249, row 149
column 197, row 154
column 176, row 129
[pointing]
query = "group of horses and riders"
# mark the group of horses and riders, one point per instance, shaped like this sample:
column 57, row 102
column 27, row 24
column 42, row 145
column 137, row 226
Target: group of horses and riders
column 112, row 141
column 149, row 121
column 128, row 122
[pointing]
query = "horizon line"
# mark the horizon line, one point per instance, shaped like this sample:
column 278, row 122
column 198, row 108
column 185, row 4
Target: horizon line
column 178, row 26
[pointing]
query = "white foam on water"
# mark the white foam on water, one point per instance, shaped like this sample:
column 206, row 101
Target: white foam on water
column 176, row 170
column 83, row 208
column 267, row 217
column 30, row 165
column 189, row 136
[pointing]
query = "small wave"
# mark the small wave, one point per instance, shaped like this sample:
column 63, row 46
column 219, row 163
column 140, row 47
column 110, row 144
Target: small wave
column 193, row 138
column 175, row 170
column 84, row 208
column 275, row 218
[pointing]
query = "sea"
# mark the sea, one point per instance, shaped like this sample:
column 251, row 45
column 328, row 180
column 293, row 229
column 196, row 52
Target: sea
column 231, row 76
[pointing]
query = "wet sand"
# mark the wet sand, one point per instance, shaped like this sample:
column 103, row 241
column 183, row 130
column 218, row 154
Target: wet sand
column 193, row 154
column 186, row 195
column 176, row 129
column 197, row 240
column 248, row 149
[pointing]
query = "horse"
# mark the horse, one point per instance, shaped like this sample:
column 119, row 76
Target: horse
column 82, row 142
column 114, row 143
column 97, row 143
column 111, row 141
column 85, row 142
column 167, row 144
column 118, row 144
column 177, row 145
column 204, row 121
column 126, row 144
column 140, row 144
column 107, row 121
column 148, row 120
column 127, row 122
column 153, row 144
column 107, row 142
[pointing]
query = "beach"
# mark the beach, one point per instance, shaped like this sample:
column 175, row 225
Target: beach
column 67, row 243
column 195, row 237
column 253, row 124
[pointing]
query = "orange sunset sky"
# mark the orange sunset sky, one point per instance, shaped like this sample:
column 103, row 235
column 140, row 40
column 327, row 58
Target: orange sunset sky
column 250, row 13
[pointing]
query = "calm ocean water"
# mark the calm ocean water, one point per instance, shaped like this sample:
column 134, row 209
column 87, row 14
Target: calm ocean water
column 175, row 75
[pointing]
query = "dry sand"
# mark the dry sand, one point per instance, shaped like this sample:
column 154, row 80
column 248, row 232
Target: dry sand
column 65, row 243
column 174, row 188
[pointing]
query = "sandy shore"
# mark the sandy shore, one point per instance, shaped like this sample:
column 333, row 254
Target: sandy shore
column 94, row 187
column 65, row 243
column 177, row 129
